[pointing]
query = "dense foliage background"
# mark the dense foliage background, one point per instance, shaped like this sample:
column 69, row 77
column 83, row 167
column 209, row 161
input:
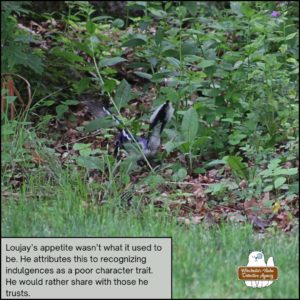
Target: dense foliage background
column 229, row 155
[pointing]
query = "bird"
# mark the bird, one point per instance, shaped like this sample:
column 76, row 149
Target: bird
column 98, row 107
column 150, row 145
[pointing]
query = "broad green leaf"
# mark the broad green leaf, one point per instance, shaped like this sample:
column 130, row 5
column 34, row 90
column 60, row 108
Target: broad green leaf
column 181, row 11
column 80, row 146
column 268, row 188
column 157, row 13
column 236, row 7
column 268, row 203
column 236, row 165
column 60, row 110
column 68, row 55
column 154, row 180
column 274, row 163
column 173, row 61
column 291, row 36
column 71, row 102
column 84, row 149
column 91, row 163
column 201, row 140
column 143, row 75
column 216, row 162
column 170, row 146
column 109, row 85
column 123, row 94
column 82, row 85
column 236, row 138
column 266, row 173
column 99, row 124
column 179, row 175
column 111, row 61
column 206, row 63
column 189, row 48
column 159, row 36
column 171, row 94
column 85, row 152
column 189, row 125
column 159, row 77
column 134, row 42
column 279, row 182
column 90, row 27
column 118, row 23
column 191, row 7
column 237, row 64
column 289, row 172
column 247, row 10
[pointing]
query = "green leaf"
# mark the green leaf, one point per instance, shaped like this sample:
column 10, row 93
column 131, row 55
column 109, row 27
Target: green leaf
column 291, row 36
column 236, row 138
column 111, row 61
column 154, row 180
column 159, row 77
column 157, row 13
column 236, row 7
column 123, row 94
column 191, row 7
column 143, row 75
column 247, row 10
column 80, row 146
column 181, row 12
column 268, row 188
column 90, row 27
column 91, row 163
column 173, row 61
column 109, row 85
column 215, row 163
column 279, row 182
column 268, row 203
column 206, row 63
column 71, row 102
column 60, row 110
column 179, row 175
column 274, row 163
column 159, row 36
column 189, row 125
column 118, row 23
column 99, row 123
column 236, row 165
column 82, row 85
column 134, row 42
column 84, row 149
column 289, row 172
column 68, row 55
column 171, row 94
column 170, row 146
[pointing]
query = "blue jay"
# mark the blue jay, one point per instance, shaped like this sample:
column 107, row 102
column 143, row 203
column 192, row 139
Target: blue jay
column 150, row 145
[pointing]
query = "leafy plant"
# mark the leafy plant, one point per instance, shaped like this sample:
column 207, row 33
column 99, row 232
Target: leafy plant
column 16, row 52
